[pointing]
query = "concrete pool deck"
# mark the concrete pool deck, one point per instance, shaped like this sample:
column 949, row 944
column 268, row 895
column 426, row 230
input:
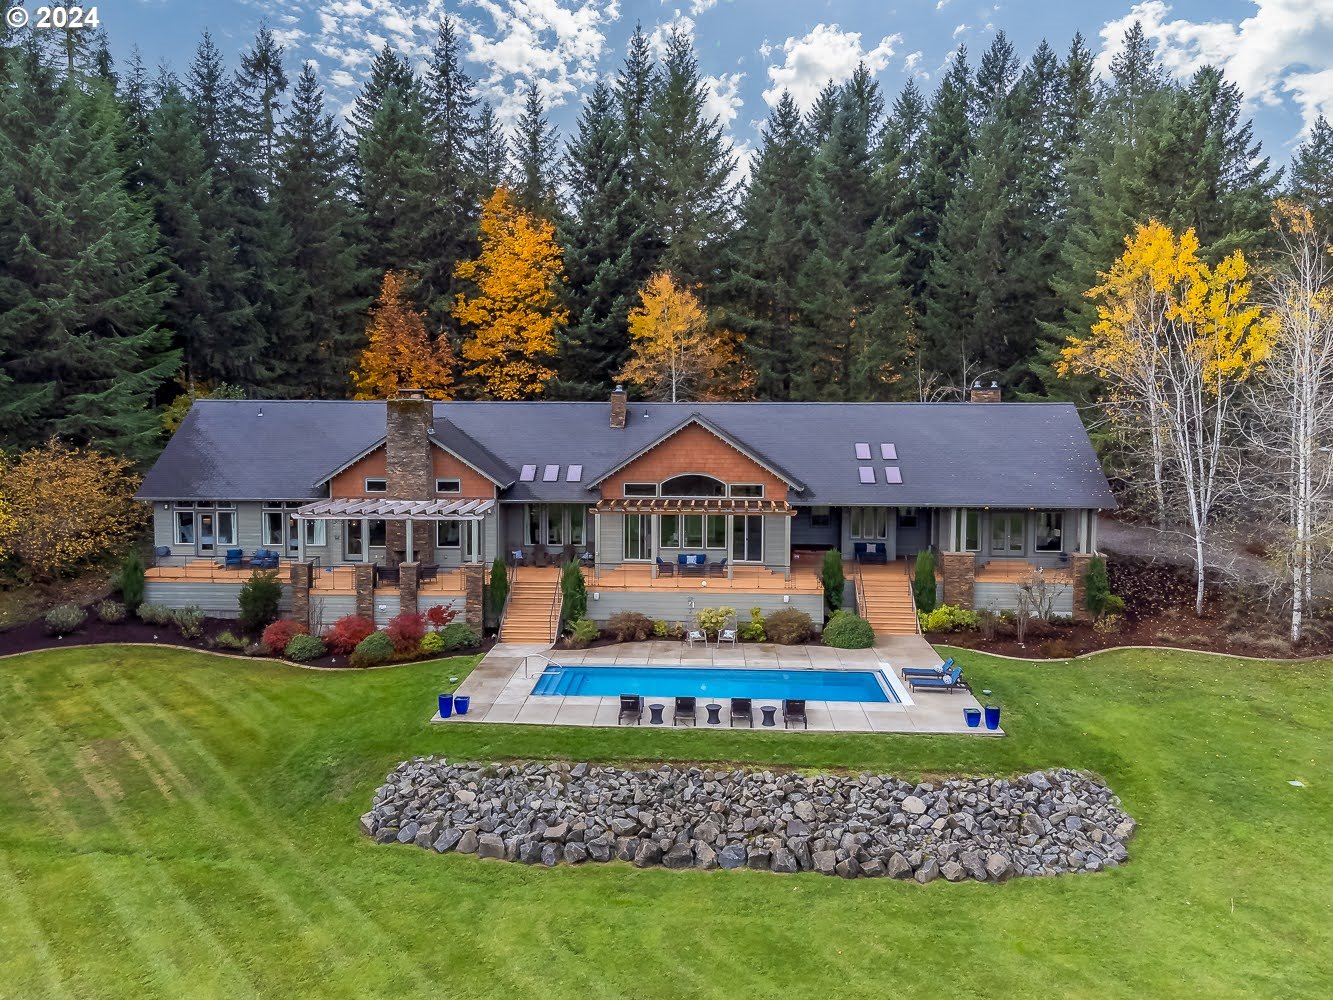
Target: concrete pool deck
column 500, row 686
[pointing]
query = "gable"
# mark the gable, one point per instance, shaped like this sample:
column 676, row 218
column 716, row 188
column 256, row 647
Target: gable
column 693, row 449
column 350, row 482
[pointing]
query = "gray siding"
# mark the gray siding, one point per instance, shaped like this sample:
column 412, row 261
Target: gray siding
column 427, row 601
column 325, row 610
column 804, row 534
column 1004, row 597
column 218, row 600
column 675, row 606
column 387, row 606
column 611, row 543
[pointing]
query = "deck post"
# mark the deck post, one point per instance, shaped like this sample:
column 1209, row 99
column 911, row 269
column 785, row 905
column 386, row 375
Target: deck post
column 1078, row 569
column 363, row 576
column 959, row 570
column 301, row 578
column 407, row 585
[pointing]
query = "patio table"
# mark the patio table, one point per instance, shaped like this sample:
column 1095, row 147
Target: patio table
column 769, row 711
column 714, row 718
column 655, row 718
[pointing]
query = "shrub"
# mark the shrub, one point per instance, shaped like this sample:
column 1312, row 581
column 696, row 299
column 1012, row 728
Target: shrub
column 789, row 626
column 65, row 618
column 848, row 630
column 459, row 635
column 584, row 630
column 405, row 631
column 227, row 639
column 1096, row 588
column 346, row 632
column 279, row 633
column 190, row 621
column 660, row 628
column 258, row 601
column 628, row 626
column 753, row 630
column 499, row 586
column 1115, row 604
column 923, row 581
column 948, row 618
column 155, row 614
column 833, row 579
column 987, row 620
column 373, row 650
column 574, row 591
column 664, row 629
column 440, row 615
column 111, row 612
column 714, row 620
column 432, row 642
column 303, row 647
column 130, row 581
column 1106, row 625
column 1057, row 649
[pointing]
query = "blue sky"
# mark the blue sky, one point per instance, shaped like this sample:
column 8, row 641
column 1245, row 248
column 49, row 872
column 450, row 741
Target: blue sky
column 1280, row 51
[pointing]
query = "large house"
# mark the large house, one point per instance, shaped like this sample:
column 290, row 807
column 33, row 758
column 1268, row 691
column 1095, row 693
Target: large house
column 374, row 506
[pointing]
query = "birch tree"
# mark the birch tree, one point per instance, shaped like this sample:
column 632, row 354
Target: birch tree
column 1175, row 341
column 1289, row 420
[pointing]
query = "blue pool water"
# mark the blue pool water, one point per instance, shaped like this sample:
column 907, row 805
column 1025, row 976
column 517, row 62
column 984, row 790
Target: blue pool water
column 715, row 682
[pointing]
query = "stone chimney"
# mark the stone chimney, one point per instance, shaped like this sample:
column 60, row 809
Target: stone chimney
column 619, row 408
column 409, row 468
column 980, row 394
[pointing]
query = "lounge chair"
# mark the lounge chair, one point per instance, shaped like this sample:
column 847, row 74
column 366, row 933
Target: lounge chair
column 728, row 633
column 234, row 559
column 718, row 568
column 631, row 707
column 741, row 709
column 684, row 711
column 793, row 710
column 950, row 682
column 939, row 670
column 264, row 559
column 540, row 557
column 696, row 635
column 386, row 574
column 665, row 568
column 427, row 572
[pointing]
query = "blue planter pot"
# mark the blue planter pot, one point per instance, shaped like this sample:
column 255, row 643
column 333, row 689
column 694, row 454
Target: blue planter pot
column 972, row 717
column 446, row 705
column 992, row 717
column 461, row 703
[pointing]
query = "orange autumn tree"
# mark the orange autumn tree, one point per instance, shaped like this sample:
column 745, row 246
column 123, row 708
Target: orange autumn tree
column 674, row 355
column 516, row 310
column 400, row 353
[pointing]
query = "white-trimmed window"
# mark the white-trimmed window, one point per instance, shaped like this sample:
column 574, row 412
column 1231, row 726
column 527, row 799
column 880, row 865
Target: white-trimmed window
column 1050, row 530
column 556, row 524
column 185, row 525
column 315, row 532
column 969, row 530
column 448, row 534
column 693, row 484
column 640, row 489
column 821, row 516
column 448, row 486
column 869, row 522
column 747, row 490
column 376, row 484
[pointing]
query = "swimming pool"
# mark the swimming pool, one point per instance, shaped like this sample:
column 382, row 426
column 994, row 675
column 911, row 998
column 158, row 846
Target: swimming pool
column 716, row 682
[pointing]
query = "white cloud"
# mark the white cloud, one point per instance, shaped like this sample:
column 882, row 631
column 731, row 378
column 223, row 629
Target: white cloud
column 959, row 30
column 824, row 53
column 941, row 4
column 724, row 100
column 1285, row 50
column 661, row 33
column 697, row 7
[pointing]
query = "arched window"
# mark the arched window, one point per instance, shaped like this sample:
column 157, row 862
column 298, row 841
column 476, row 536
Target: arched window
column 694, row 485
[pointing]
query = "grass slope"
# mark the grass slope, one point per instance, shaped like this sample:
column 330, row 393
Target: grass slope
column 173, row 824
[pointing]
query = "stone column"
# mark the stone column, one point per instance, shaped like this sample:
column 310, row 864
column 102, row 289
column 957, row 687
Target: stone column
column 407, row 586
column 1078, row 566
column 302, row 574
column 364, row 576
column 474, row 591
column 959, row 570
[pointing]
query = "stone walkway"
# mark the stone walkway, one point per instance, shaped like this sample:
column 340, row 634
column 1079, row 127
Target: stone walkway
column 500, row 686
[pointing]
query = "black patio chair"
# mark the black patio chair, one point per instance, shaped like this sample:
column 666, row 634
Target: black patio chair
column 665, row 568
column 793, row 710
column 386, row 574
column 631, row 707
column 742, row 709
column 684, row 711
column 427, row 572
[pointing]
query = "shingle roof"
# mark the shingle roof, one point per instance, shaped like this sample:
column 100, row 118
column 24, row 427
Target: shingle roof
column 949, row 454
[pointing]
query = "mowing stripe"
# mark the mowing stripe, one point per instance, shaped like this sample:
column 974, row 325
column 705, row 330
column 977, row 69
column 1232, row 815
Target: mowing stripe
column 220, row 959
column 13, row 897
column 369, row 927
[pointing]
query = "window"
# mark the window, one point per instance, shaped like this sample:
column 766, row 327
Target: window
column 747, row 538
column 274, row 531
column 747, row 490
column 578, row 521
column 448, row 486
column 533, row 534
column 377, row 534
column 670, row 528
column 377, row 485
column 1050, row 530
column 226, row 527
column 184, row 527
column 640, row 489
column 717, row 531
column 316, row 532
column 555, row 524
column 694, row 531
column 638, row 536
column 821, row 516
column 907, row 517
column 693, row 485
column 448, row 534
column 969, row 530
column 869, row 522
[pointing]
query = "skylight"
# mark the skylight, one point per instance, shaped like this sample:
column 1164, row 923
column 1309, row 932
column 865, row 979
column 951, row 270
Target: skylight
column 551, row 474
column 868, row 475
column 574, row 474
column 527, row 474
column 888, row 452
column 893, row 474
column 863, row 451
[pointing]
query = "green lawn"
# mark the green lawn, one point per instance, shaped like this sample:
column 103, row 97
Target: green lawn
column 174, row 824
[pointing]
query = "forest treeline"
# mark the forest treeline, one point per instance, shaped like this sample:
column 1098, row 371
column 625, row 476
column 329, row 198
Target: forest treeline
column 221, row 230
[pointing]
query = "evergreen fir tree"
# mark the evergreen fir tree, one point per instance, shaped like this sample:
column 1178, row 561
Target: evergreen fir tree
column 635, row 93
column 535, row 147
column 901, row 159
column 1311, row 181
column 387, row 70
column 260, row 86
column 136, row 107
column 490, row 153
column 945, row 148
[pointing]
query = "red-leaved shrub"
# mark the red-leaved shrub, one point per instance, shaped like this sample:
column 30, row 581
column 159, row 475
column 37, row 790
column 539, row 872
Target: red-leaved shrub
column 279, row 633
column 346, row 633
column 405, row 631
column 440, row 615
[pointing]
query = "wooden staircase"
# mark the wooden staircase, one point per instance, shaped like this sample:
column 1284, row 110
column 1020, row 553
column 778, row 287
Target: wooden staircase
column 886, row 600
column 527, row 617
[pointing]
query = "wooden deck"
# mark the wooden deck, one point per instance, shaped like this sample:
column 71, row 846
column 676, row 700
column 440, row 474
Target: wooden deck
column 747, row 579
column 1018, row 570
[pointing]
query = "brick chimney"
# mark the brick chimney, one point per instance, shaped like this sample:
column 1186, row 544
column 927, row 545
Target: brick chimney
column 409, row 468
column 980, row 394
column 619, row 408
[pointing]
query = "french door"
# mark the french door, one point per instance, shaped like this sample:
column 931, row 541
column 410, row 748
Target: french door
column 747, row 538
column 638, row 536
column 1006, row 533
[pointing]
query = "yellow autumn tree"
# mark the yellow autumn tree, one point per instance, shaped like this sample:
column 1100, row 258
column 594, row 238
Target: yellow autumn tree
column 399, row 352
column 674, row 355
column 515, row 311
column 1174, row 341
column 67, row 507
